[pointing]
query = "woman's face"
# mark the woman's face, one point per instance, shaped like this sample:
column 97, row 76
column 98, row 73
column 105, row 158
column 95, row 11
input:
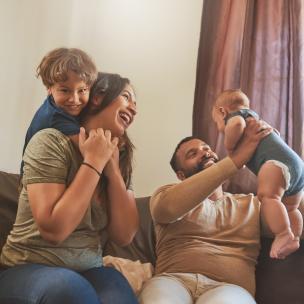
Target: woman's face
column 118, row 115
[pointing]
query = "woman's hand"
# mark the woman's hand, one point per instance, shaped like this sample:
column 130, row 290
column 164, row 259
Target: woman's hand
column 98, row 147
column 112, row 165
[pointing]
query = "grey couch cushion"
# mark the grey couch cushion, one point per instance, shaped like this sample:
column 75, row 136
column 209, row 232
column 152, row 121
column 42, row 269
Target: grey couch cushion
column 143, row 245
column 8, row 203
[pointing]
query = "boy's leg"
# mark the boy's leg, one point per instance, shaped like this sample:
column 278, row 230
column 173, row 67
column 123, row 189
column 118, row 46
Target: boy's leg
column 164, row 290
column 271, row 187
column 35, row 284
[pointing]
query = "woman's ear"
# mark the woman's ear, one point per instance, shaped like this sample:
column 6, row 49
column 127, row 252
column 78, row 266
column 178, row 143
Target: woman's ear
column 97, row 100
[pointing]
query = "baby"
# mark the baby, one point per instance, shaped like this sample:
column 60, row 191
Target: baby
column 279, row 170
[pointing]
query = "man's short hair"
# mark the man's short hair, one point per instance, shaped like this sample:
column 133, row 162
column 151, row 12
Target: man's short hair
column 173, row 162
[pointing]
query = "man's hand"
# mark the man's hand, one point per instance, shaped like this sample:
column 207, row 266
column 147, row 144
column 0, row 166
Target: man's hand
column 254, row 132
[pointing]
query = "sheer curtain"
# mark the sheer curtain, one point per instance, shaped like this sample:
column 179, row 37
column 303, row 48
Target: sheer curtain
column 257, row 46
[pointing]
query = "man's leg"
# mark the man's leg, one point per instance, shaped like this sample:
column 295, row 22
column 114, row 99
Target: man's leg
column 164, row 290
column 37, row 284
column 226, row 294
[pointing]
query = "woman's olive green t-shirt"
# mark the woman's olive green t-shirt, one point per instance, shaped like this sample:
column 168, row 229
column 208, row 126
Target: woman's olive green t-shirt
column 51, row 157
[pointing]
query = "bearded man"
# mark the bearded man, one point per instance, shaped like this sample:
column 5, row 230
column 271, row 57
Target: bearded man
column 207, row 241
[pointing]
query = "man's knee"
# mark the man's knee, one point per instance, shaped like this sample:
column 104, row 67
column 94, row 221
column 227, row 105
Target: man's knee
column 164, row 290
column 226, row 294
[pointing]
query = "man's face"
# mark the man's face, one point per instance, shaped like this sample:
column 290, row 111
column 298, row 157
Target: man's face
column 194, row 156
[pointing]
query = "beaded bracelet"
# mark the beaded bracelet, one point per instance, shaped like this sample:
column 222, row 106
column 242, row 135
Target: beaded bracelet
column 90, row 166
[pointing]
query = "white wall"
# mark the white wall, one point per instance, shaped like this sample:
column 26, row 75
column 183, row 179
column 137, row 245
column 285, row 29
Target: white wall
column 152, row 42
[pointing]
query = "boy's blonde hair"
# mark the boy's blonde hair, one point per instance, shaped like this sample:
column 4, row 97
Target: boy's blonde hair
column 232, row 99
column 55, row 66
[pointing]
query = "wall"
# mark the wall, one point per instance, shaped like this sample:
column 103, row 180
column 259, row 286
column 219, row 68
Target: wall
column 154, row 43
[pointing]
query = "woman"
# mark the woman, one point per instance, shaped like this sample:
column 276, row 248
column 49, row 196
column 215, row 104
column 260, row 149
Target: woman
column 71, row 192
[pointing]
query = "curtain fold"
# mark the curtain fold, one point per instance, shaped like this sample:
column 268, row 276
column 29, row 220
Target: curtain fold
column 257, row 46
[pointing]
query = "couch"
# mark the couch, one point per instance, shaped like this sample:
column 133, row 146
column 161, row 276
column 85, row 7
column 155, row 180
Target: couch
column 278, row 281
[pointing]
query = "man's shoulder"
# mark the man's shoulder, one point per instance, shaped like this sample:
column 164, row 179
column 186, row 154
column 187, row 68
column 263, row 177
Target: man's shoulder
column 162, row 190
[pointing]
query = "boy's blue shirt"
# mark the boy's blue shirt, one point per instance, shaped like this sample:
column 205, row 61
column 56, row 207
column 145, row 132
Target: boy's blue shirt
column 51, row 116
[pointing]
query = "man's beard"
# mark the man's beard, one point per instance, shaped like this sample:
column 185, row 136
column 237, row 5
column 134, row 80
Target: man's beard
column 200, row 167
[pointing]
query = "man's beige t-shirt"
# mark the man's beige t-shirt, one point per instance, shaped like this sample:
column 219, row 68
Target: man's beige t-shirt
column 50, row 157
column 219, row 239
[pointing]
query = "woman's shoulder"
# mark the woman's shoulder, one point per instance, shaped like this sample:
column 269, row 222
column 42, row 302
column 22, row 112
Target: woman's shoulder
column 49, row 139
column 51, row 135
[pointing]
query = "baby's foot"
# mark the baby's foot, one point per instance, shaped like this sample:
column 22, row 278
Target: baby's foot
column 289, row 248
column 280, row 242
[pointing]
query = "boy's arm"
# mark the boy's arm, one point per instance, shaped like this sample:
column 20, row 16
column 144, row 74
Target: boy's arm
column 234, row 131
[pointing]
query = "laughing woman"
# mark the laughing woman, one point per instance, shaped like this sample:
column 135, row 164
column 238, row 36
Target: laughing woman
column 73, row 190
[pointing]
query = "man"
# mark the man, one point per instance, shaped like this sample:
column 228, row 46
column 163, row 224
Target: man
column 207, row 241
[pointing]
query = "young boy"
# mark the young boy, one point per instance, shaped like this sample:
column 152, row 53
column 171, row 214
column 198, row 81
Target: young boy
column 68, row 74
column 279, row 170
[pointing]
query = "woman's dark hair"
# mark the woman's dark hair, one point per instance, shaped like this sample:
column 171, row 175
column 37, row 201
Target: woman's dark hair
column 110, row 86
column 107, row 85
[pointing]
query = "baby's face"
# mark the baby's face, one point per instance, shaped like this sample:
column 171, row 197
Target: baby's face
column 218, row 117
column 71, row 95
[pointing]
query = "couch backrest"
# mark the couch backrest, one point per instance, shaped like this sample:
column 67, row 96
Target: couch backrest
column 8, row 203
column 143, row 245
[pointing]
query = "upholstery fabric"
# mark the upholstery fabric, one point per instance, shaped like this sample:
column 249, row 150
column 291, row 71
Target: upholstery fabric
column 8, row 203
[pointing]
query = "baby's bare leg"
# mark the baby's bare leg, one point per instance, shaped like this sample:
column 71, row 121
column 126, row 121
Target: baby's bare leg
column 295, row 217
column 271, row 187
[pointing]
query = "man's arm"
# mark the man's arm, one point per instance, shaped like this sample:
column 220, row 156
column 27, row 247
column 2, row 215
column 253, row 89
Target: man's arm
column 172, row 203
column 169, row 204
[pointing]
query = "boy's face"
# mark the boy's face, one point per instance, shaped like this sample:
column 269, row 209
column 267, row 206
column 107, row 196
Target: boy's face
column 71, row 95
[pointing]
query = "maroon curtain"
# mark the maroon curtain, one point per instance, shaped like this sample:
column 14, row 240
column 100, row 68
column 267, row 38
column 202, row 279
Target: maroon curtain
column 258, row 46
